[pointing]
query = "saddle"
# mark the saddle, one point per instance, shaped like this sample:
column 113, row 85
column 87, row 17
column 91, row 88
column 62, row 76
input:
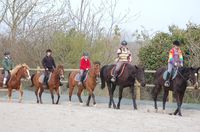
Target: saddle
column 78, row 77
column 41, row 78
column 121, row 71
column 173, row 74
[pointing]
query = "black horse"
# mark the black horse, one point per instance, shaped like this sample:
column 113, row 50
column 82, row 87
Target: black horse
column 177, row 85
column 126, row 79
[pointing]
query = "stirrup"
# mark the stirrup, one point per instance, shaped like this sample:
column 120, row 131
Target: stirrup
column 167, row 84
column 113, row 79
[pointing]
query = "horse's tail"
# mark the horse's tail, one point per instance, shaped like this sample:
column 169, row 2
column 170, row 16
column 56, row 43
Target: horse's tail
column 68, row 80
column 32, row 76
column 102, row 77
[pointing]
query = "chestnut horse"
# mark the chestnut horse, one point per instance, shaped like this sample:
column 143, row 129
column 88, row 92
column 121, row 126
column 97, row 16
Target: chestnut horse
column 53, row 84
column 178, row 85
column 89, row 83
column 20, row 71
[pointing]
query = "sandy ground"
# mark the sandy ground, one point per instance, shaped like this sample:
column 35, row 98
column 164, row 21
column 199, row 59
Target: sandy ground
column 31, row 117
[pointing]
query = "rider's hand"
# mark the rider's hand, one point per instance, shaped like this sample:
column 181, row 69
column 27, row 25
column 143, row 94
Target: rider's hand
column 176, row 64
column 87, row 69
column 46, row 69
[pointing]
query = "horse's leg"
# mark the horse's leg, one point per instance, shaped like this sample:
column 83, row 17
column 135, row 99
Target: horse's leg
column 88, row 100
column 58, row 94
column 40, row 94
column 120, row 97
column 181, row 101
column 9, row 94
column 178, row 110
column 112, row 92
column 92, row 95
column 133, row 97
column 109, row 91
column 52, row 96
column 165, row 95
column 36, row 94
column 71, row 88
column 80, row 89
column 155, row 93
column 21, row 94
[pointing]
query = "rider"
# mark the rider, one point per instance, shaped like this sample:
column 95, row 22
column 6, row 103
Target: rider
column 175, row 60
column 48, row 64
column 85, row 65
column 124, row 56
column 7, row 67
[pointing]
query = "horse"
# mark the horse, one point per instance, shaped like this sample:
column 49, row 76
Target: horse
column 89, row 84
column 53, row 84
column 129, row 73
column 17, row 73
column 178, row 85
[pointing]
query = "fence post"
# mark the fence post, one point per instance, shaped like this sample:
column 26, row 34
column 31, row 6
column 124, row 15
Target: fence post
column 38, row 69
column 137, row 90
column 170, row 97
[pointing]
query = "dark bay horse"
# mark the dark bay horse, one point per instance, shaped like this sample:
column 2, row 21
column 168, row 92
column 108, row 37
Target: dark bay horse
column 53, row 84
column 178, row 85
column 20, row 71
column 127, row 79
column 89, row 84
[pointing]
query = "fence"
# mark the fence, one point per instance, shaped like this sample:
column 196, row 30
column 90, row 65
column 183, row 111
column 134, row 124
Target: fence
column 138, row 87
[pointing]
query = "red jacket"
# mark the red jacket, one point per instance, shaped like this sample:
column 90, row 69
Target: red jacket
column 84, row 64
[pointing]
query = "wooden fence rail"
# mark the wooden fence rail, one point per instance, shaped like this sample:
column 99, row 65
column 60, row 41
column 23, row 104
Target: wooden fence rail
column 138, row 87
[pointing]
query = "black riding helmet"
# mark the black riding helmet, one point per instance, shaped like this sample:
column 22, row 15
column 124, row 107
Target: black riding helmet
column 177, row 43
column 85, row 54
column 7, row 53
column 48, row 50
column 124, row 42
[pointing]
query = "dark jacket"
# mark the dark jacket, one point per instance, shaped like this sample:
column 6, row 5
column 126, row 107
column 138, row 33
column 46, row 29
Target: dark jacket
column 48, row 62
column 7, row 64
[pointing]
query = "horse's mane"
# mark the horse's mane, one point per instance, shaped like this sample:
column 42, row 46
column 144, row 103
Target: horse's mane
column 17, row 67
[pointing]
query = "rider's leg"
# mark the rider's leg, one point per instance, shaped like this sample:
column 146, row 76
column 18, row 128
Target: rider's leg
column 81, row 77
column 5, row 78
column 118, row 66
column 46, row 77
column 169, row 70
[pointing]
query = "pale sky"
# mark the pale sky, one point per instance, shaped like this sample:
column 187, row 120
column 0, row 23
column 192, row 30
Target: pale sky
column 157, row 15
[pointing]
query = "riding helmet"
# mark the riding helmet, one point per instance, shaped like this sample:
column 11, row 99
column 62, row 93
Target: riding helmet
column 48, row 50
column 85, row 54
column 7, row 53
column 177, row 43
column 124, row 42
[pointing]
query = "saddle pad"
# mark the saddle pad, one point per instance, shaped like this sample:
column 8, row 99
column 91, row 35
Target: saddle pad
column 41, row 78
column 174, row 73
column 78, row 77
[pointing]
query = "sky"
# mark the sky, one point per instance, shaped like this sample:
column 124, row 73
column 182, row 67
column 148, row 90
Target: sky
column 156, row 15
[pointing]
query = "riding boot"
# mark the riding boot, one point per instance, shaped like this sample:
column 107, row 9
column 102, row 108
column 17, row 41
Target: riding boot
column 45, row 81
column 113, row 79
column 167, row 82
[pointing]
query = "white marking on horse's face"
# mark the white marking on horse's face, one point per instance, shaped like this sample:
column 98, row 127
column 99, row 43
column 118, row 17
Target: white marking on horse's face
column 29, row 77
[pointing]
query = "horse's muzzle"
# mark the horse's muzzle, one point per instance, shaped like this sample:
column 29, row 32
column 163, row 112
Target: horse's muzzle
column 62, row 77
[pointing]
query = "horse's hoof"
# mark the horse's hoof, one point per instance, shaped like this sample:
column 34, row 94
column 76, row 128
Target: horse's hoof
column 81, row 104
column 94, row 105
column 163, row 111
column 156, row 110
column 171, row 114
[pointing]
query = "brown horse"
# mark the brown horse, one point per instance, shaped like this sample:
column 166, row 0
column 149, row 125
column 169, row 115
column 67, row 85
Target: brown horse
column 19, row 72
column 53, row 83
column 89, row 84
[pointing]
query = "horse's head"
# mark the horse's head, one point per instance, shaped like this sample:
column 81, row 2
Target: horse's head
column 24, row 71
column 96, row 67
column 139, row 74
column 193, row 76
column 60, row 71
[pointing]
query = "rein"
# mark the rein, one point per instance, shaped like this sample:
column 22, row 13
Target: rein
column 181, row 75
